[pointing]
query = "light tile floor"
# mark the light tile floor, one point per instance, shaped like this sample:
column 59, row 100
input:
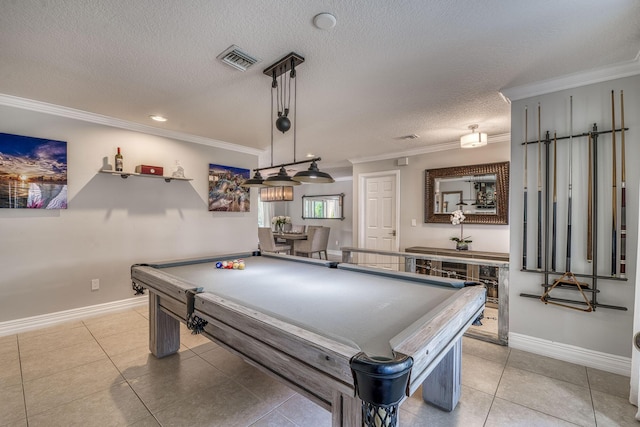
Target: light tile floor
column 98, row 372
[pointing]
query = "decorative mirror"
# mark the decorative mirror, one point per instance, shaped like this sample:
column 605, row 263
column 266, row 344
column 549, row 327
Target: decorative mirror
column 480, row 191
column 322, row 207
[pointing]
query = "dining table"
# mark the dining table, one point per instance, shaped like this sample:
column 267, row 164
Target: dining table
column 289, row 237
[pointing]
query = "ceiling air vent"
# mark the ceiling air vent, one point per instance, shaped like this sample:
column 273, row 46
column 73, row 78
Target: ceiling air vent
column 238, row 59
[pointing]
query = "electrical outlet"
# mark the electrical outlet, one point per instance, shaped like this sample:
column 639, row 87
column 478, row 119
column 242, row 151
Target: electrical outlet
column 337, row 243
column 95, row 284
column 414, row 223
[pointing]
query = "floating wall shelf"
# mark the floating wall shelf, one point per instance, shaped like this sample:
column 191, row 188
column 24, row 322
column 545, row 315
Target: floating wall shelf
column 125, row 175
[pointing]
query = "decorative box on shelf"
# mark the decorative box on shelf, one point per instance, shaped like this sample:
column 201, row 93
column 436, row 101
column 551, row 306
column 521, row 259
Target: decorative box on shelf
column 149, row 170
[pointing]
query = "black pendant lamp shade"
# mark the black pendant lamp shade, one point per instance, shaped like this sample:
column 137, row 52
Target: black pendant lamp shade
column 281, row 179
column 313, row 174
column 256, row 181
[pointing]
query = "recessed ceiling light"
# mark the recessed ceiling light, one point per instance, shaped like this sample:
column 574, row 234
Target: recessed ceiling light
column 158, row 118
column 324, row 21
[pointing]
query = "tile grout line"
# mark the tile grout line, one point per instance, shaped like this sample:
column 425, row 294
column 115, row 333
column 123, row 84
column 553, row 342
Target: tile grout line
column 593, row 406
column 495, row 393
column 24, row 395
column 126, row 380
column 231, row 378
column 556, row 379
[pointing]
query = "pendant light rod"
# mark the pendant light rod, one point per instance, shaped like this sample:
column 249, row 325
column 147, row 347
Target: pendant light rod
column 315, row 159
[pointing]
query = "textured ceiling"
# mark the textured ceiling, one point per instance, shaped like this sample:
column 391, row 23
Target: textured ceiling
column 387, row 69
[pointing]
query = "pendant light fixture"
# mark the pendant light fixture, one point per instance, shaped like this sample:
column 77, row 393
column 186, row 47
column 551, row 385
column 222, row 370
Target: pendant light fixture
column 282, row 73
column 256, row 181
column 473, row 139
column 313, row 175
column 276, row 194
column 285, row 69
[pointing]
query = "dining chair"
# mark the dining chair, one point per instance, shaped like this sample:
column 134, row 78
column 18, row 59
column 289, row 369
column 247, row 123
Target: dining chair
column 317, row 240
column 324, row 242
column 297, row 228
column 268, row 244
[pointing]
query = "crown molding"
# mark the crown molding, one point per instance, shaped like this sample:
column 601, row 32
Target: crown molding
column 452, row 145
column 85, row 116
column 570, row 81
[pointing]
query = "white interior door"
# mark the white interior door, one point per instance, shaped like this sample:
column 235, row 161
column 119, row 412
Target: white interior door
column 379, row 218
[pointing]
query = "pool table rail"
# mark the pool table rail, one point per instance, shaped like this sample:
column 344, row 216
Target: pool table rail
column 431, row 342
column 169, row 286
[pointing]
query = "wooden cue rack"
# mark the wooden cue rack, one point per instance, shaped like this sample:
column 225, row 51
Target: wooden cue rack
column 593, row 286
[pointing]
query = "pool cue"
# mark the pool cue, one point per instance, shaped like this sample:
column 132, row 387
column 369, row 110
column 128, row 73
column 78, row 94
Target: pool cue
column 555, row 204
column 614, row 202
column 623, row 198
column 568, row 277
column 590, row 205
column 569, row 203
column 524, row 214
column 539, row 264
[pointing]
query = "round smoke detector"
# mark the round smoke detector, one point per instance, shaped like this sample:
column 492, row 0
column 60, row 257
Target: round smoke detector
column 324, row 21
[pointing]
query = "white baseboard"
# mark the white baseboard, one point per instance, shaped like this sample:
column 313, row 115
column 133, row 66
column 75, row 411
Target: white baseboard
column 46, row 320
column 569, row 353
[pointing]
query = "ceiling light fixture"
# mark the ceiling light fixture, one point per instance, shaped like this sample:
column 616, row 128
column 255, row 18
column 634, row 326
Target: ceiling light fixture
column 313, row 175
column 473, row 139
column 256, row 181
column 281, row 97
column 158, row 118
column 324, row 21
column 276, row 194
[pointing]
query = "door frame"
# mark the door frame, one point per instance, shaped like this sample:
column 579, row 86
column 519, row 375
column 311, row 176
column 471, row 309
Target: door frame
column 362, row 179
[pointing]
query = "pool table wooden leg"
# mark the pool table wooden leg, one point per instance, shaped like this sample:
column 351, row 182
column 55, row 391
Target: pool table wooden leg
column 164, row 330
column 442, row 386
column 346, row 411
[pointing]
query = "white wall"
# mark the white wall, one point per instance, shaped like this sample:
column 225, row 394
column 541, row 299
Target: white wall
column 605, row 330
column 48, row 258
column 341, row 231
column 493, row 238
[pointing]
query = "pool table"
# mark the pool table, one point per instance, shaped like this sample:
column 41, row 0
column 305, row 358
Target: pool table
column 355, row 340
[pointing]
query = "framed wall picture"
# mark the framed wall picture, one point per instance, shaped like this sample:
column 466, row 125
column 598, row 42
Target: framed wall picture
column 225, row 191
column 33, row 173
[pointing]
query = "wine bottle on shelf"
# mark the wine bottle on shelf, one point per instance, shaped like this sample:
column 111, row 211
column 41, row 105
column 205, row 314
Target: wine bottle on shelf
column 118, row 161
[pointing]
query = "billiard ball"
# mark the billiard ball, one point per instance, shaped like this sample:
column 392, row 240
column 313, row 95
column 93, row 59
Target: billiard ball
column 218, row 264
